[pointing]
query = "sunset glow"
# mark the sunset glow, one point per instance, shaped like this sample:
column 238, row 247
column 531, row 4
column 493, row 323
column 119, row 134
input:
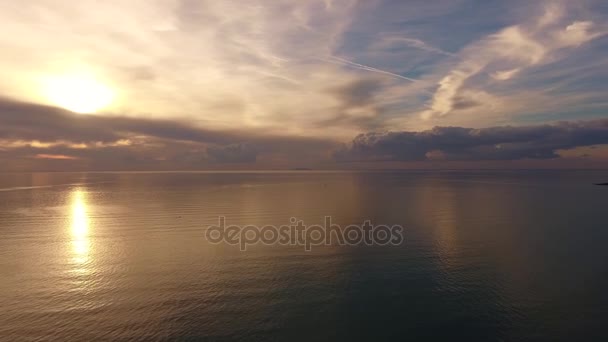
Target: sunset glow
column 79, row 94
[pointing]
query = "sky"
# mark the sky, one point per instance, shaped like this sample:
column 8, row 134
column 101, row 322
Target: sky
column 323, row 84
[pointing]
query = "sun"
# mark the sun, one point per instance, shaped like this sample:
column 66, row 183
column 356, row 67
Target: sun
column 79, row 93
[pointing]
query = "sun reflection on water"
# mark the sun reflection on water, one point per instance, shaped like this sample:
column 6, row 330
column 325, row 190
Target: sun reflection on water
column 80, row 228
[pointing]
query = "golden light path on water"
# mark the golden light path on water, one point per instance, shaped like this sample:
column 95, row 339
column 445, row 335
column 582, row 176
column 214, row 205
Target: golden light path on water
column 80, row 230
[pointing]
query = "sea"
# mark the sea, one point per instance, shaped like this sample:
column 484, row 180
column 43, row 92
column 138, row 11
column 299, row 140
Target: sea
column 486, row 255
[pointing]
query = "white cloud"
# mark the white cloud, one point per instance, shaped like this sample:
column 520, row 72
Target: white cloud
column 506, row 54
column 504, row 75
column 394, row 40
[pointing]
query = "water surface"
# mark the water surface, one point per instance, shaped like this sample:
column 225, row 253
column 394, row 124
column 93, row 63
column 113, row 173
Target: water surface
column 488, row 255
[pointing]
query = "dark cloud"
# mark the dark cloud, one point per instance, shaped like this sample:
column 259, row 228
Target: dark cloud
column 494, row 143
column 462, row 102
column 234, row 153
column 68, row 141
column 358, row 93
column 141, row 155
column 372, row 120
column 115, row 142
column 36, row 122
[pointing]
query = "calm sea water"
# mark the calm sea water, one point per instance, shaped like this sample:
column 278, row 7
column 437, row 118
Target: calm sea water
column 488, row 255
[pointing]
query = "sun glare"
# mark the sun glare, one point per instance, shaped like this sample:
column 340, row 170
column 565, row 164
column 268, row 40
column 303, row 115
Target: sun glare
column 79, row 94
column 80, row 227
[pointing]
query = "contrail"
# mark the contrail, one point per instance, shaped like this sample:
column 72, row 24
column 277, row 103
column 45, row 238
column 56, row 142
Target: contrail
column 346, row 62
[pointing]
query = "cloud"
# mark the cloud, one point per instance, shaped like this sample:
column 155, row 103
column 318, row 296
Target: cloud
column 359, row 92
column 29, row 121
column 34, row 137
column 54, row 156
column 38, row 134
column 493, row 143
column 395, row 40
column 504, row 75
column 234, row 153
column 505, row 54
column 358, row 104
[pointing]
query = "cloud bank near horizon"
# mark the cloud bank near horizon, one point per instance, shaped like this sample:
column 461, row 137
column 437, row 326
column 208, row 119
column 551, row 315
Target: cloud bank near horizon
column 503, row 143
column 35, row 137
